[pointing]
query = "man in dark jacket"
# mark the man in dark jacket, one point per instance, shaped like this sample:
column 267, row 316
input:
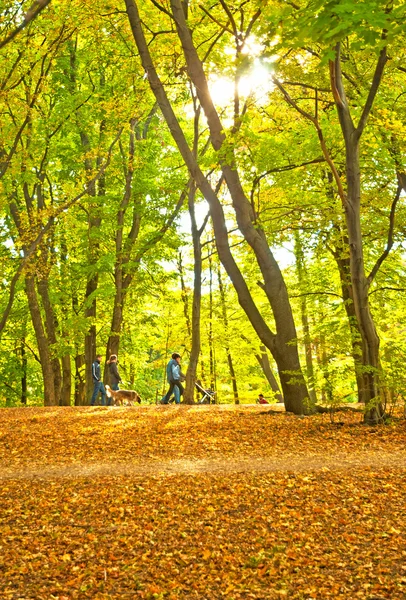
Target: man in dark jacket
column 97, row 382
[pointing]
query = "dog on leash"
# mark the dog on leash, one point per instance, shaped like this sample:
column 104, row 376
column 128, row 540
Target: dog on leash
column 123, row 396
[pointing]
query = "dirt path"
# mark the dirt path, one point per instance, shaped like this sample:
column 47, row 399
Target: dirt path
column 371, row 460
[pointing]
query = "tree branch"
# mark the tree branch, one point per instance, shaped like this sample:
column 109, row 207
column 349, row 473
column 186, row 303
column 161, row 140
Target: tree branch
column 389, row 243
column 231, row 18
column 29, row 16
column 223, row 27
column 157, row 236
column 316, row 294
column 306, row 86
column 393, row 289
column 325, row 151
column 382, row 60
column 162, row 9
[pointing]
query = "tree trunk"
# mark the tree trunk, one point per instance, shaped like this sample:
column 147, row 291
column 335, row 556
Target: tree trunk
column 184, row 295
column 322, row 361
column 94, row 224
column 191, row 373
column 123, row 273
column 90, row 337
column 24, row 373
column 80, row 398
column 121, row 281
column 343, row 264
column 227, row 348
column 66, row 390
column 66, row 381
column 210, row 332
column 360, row 287
column 113, row 343
column 263, row 360
column 301, row 275
column 50, row 324
column 42, row 342
column 284, row 346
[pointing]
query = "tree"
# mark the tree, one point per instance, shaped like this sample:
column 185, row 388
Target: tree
column 349, row 189
column 281, row 344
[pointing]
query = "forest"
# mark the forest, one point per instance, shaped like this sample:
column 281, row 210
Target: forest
column 223, row 182
column 222, row 179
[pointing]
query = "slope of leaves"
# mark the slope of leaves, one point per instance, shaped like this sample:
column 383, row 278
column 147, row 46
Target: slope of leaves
column 322, row 518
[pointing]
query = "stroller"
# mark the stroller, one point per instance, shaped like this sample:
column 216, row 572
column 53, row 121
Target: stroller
column 208, row 395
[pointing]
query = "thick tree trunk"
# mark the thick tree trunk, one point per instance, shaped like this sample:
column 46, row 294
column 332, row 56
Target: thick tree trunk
column 50, row 324
column 42, row 343
column 360, row 287
column 343, row 264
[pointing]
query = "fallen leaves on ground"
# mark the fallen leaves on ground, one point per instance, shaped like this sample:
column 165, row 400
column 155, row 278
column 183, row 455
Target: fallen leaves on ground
column 325, row 520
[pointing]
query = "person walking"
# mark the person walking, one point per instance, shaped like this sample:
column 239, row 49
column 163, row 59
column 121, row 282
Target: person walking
column 174, row 377
column 114, row 375
column 97, row 382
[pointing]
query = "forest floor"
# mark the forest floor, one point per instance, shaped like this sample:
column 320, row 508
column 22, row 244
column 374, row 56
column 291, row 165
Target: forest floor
column 202, row 502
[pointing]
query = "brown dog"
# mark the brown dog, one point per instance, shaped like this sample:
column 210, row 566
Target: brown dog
column 121, row 396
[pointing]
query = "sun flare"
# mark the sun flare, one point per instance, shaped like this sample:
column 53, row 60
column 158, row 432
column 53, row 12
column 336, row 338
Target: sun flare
column 256, row 84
